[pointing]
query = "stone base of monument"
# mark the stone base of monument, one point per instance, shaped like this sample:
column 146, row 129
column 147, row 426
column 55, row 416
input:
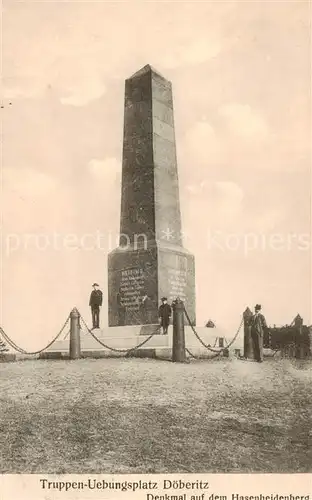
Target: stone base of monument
column 127, row 337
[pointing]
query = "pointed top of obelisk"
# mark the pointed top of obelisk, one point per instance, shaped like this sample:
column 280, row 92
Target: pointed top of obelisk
column 146, row 69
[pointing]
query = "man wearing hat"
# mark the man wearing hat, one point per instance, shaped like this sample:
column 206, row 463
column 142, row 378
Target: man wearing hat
column 164, row 313
column 258, row 325
column 96, row 299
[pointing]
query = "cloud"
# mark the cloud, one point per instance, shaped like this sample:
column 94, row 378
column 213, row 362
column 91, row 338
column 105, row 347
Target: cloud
column 104, row 168
column 25, row 86
column 193, row 52
column 217, row 189
column 33, row 201
column 95, row 41
column 229, row 190
column 235, row 140
column 220, row 201
column 269, row 219
column 85, row 92
column 243, row 121
column 27, row 182
column 107, row 172
column 225, row 199
column 201, row 143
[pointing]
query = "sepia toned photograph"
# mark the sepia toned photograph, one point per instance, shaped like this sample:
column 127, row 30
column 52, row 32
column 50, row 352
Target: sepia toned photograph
column 155, row 312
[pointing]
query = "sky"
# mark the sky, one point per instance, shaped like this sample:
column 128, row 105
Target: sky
column 242, row 101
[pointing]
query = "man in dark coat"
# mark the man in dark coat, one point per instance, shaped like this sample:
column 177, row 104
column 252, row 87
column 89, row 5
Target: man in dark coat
column 258, row 326
column 96, row 299
column 164, row 313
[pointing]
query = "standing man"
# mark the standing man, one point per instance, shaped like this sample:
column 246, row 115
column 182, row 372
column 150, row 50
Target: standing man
column 164, row 313
column 258, row 325
column 96, row 299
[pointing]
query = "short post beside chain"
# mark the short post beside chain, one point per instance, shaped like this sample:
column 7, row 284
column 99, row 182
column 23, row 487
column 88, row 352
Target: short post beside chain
column 299, row 344
column 310, row 341
column 178, row 339
column 248, row 345
column 74, row 339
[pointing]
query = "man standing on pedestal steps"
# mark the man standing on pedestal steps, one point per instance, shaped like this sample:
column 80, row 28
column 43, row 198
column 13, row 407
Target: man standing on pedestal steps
column 258, row 325
column 96, row 299
column 164, row 313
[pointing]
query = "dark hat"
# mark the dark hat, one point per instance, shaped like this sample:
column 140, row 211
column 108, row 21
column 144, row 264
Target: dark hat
column 163, row 298
column 95, row 284
column 257, row 307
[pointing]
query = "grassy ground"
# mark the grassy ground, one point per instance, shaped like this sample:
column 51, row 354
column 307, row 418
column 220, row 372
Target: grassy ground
column 144, row 416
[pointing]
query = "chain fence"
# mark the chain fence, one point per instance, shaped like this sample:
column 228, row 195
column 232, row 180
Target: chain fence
column 217, row 352
column 193, row 356
column 20, row 350
column 8, row 341
column 114, row 349
column 66, row 335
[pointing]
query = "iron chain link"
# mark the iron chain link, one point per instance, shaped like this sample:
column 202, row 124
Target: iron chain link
column 216, row 351
column 114, row 349
column 23, row 351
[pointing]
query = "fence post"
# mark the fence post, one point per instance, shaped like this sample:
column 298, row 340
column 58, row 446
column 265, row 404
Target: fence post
column 310, row 341
column 74, row 340
column 248, row 346
column 299, row 345
column 178, row 339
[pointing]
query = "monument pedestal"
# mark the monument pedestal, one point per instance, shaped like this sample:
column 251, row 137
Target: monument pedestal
column 155, row 271
column 129, row 336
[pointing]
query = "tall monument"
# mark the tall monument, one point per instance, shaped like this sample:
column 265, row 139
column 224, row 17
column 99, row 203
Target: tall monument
column 150, row 260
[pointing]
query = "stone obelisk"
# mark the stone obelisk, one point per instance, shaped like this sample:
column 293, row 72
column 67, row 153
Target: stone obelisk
column 150, row 260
